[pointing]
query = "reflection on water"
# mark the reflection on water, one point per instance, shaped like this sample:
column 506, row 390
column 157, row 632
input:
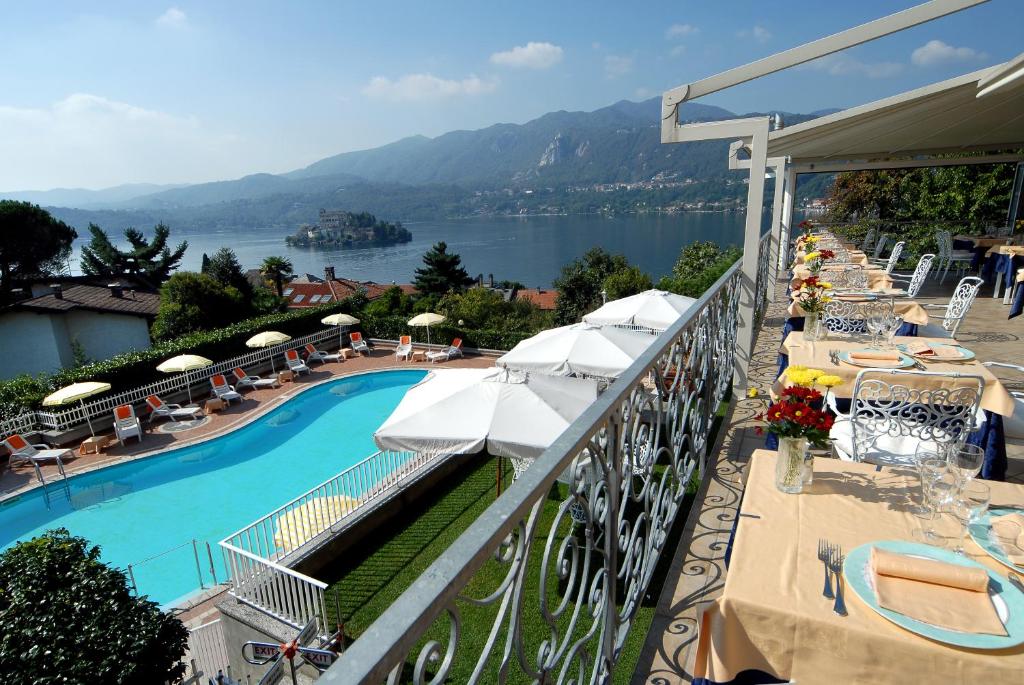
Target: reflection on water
column 348, row 387
column 531, row 250
column 91, row 495
column 283, row 418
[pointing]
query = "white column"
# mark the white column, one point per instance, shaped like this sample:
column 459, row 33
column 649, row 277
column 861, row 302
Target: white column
column 788, row 203
column 776, row 246
column 751, row 238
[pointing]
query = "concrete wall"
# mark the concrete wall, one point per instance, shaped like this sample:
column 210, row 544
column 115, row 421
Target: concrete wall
column 104, row 335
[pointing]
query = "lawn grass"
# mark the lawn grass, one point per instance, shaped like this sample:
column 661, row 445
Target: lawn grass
column 370, row 577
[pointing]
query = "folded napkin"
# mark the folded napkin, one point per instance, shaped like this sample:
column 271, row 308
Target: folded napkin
column 1009, row 530
column 944, row 595
column 877, row 358
column 923, row 349
column 854, row 297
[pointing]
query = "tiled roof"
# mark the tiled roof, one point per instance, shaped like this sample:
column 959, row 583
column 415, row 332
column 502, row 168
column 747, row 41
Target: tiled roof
column 543, row 298
column 95, row 298
column 301, row 293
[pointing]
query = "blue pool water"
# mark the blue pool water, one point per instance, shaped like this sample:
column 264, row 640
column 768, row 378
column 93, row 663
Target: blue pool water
column 143, row 508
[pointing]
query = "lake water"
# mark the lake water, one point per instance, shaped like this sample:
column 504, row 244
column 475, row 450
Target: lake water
column 531, row 250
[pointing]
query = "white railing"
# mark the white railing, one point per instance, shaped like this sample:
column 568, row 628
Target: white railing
column 207, row 650
column 22, row 423
column 252, row 554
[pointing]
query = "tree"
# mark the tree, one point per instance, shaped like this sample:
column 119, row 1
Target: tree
column 626, row 282
column 225, row 268
column 151, row 259
column 32, row 243
column 66, row 617
column 192, row 302
column 699, row 265
column 580, row 285
column 442, row 272
column 393, row 301
column 278, row 270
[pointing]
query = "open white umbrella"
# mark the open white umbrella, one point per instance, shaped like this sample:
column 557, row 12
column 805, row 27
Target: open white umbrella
column 463, row 411
column 76, row 392
column 581, row 348
column 427, row 319
column 268, row 339
column 342, row 321
column 184, row 363
column 655, row 309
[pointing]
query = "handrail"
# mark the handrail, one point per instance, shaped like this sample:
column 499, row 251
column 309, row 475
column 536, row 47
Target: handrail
column 604, row 449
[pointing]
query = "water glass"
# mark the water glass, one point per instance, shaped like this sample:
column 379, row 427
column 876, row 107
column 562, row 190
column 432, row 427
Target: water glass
column 875, row 323
column 940, row 494
column 969, row 507
column 930, row 465
column 965, row 461
column 892, row 326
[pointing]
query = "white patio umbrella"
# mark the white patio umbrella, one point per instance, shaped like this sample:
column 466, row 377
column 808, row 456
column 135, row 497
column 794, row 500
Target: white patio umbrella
column 76, row 392
column 342, row 321
column 268, row 339
column 655, row 309
column 581, row 348
column 427, row 319
column 184, row 363
column 463, row 411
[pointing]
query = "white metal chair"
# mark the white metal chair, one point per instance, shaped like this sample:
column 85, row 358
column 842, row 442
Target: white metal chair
column 948, row 256
column 404, row 348
column 955, row 310
column 21, row 450
column 174, row 412
column 358, row 344
column 223, row 391
column 1013, row 426
column 842, row 316
column 893, row 412
column 849, row 279
column 126, row 424
column 868, row 242
column 917, row 279
column 319, row 355
column 880, row 246
column 894, row 257
column 295, row 365
column 245, row 380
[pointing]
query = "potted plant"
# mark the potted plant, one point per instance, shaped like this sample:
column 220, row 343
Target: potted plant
column 799, row 421
column 812, row 297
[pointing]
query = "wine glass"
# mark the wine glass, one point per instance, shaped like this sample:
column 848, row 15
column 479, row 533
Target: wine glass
column 875, row 323
column 965, row 461
column 930, row 465
column 939, row 493
column 969, row 507
column 892, row 326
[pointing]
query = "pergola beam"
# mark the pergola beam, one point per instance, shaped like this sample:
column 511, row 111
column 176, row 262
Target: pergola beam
column 819, row 167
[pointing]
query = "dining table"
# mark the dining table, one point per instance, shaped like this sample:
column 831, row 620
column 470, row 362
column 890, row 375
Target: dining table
column 877, row 278
column 1001, row 264
column 996, row 400
column 855, row 257
column 979, row 245
column 772, row 623
column 1017, row 306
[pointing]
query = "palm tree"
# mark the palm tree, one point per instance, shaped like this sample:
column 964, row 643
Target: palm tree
column 277, row 269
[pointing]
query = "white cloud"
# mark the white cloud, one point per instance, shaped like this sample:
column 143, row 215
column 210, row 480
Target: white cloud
column 420, row 87
column 173, row 18
column 90, row 141
column 530, row 56
column 677, row 51
column 681, row 31
column 843, row 65
column 936, row 52
column 758, row 33
column 616, row 65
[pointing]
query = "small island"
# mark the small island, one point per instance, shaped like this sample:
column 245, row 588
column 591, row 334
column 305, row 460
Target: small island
column 337, row 228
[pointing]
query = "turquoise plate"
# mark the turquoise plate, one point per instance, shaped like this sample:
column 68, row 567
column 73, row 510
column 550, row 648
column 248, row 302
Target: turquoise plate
column 1008, row 600
column 966, row 354
column 905, row 362
column 981, row 533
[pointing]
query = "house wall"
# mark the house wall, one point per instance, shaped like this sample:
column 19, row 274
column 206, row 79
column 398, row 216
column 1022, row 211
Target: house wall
column 104, row 335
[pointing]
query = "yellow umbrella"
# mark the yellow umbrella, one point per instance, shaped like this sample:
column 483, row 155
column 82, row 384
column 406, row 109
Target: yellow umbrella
column 340, row 320
column 77, row 391
column 184, row 363
column 298, row 526
column 426, row 319
column 268, row 339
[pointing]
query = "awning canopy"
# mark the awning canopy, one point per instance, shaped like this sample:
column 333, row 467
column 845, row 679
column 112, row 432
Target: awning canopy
column 944, row 117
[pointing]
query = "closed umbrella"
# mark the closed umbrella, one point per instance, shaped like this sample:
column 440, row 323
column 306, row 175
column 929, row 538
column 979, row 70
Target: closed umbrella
column 184, row 363
column 268, row 339
column 581, row 348
column 76, row 392
column 427, row 319
column 655, row 309
column 342, row 321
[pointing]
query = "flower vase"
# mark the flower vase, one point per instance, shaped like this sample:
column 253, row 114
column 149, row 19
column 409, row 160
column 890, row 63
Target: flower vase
column 789, row 467
column 812, row 326
column 808, row 469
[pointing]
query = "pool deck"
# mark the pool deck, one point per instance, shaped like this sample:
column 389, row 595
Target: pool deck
column 18, row 478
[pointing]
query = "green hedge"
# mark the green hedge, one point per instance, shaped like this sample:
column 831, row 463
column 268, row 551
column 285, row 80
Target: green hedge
column 391, row 327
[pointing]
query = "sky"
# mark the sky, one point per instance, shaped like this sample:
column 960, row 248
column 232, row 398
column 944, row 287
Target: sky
column 185, row 92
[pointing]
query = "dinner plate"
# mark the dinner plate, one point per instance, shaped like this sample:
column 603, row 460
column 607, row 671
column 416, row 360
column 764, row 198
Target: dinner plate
column 853, row 296
column 1008, row 600
column 904, row 363
column 965, row 354
column 981, row 533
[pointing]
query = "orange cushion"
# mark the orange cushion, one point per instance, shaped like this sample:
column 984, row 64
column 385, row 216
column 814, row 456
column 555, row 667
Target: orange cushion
column 123, row 413
column 16, row 442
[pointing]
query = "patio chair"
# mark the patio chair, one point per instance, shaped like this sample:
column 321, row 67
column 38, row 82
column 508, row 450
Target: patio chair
column 175, row 412
column 916, row 279
column 223, row 391
column 451, row 352
column 893, row 412
column 1013, row 426
column 358, row 344
column 35, row 454
column 848, row 279
column 245, row 380
column 319, row 355
column 842, row 316
column 404, row 349
column 955, row 311
column 948, row 256
column 295, row 365
column 894, row 257
column 869, row 241
column 880, row 246
column 126, row 423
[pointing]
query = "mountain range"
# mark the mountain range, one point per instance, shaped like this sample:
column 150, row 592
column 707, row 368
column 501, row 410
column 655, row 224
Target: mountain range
column 457, row 173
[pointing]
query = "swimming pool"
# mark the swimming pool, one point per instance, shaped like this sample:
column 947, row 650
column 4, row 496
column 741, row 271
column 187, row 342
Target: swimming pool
column 143, row 508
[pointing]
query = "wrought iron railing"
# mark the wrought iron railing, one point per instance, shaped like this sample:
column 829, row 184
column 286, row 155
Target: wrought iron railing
column 761, row 285
column 630, row 458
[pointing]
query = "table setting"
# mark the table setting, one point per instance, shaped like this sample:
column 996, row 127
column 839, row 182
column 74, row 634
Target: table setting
column 1000, row 267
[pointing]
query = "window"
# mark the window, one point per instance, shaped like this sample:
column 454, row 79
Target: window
column 314, row 299
column 298, row 298
column 288, row 291
column 325, row 298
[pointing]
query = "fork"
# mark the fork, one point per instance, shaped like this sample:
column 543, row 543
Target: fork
column 823, row 557
column 835, row 562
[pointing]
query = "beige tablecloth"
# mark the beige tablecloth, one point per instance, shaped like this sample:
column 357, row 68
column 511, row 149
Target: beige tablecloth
column 771, row 615
column 911, row 311
column 983, row 241
column 994, row 396
column 877, row 278
column 856, row 257
column 1005, row 249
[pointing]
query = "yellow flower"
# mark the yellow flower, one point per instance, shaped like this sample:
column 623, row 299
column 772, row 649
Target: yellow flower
column 814, row 373
column 752, row 393
column 810, row 239
column 795, row 367
column 829, row 381
column 826, row 299
column 825, row 284
column 802, row 378
column 811, row 256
